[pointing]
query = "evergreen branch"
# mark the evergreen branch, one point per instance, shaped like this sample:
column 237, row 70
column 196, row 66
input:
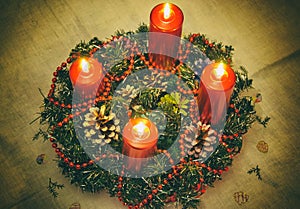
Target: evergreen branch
column 52, row 186
column 42, row 133
column 264, row 121
column 255, row 170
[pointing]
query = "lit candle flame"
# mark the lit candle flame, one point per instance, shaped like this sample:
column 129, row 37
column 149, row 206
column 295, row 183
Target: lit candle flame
column 84, row 66
column 167, row 11
column 140, row 130
column 220, row 71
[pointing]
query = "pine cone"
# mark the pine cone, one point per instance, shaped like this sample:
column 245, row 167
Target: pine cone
column 104, row 126
column 200, row 147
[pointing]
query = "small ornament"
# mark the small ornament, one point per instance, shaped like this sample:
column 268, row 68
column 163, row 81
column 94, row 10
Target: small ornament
column 258, row 98
column 262, row 146
column 75, row 205
column 241, row 197
column 40, row 159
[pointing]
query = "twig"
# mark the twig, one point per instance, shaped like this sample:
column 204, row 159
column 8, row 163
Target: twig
column 52, row 186
column 255, row 170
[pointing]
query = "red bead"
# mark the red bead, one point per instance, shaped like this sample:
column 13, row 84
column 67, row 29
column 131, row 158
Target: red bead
column 91, row 162
column 150, row 196
column 64, row 64
column 54, row 80
column 170, row 176
column 57, row 150
column 65, row 120
column 203, row 191
column 206, row 42
column 201, row 180
column 69, row 60
column 145, row 201
column 55, row 74
column 58, row 68
column 226, row 168
column 119, row 186
column 56, row 103
column 84, row 165
column 71, row 164
column 54, row 145
column 51, row 139
column 66, row 160
column 236, row 111
column 160, row 187
column 60, row 124
column 52, row 86
column 154, row 191
column 77, row 167
column 165, row 181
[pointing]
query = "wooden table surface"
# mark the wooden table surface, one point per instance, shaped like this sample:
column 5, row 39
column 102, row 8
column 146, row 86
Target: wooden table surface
column 37, row 35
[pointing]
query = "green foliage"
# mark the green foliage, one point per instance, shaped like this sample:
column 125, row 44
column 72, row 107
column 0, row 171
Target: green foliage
column 264, row 121
column 52, row 186
column 174, row 104
column 151, row 103
column 255, row 170
column 213, row 50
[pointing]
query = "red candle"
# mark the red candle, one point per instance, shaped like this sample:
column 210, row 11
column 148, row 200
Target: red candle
column 140, row 137
column 86, row 74
column 216, row 87
column 166, row 22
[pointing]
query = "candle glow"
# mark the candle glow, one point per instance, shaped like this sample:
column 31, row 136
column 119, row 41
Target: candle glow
column 219, row 72
column 140, row 131
column 84, row 66
column 167, row 11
